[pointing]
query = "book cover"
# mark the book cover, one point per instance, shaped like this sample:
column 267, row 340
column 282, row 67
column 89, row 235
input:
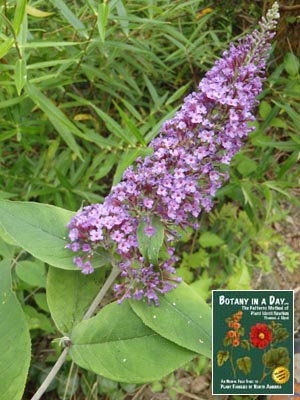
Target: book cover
column 253, row 344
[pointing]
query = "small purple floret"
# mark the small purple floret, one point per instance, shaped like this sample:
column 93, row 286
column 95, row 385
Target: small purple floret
column 149, row 230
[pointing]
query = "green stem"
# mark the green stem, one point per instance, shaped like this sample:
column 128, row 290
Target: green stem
column 12, row 29
column 112, row 276
column 232, row 364
column 263, row 376
column 51, row 374
column 54, row 371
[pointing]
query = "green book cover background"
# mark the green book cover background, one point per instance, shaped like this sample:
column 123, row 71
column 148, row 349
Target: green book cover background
column 253, row 342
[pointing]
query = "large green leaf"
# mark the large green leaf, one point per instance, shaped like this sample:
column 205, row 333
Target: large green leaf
column 116, row 344
column 69, row 294
column 6, row 250
column 39, row 229
column 14, row 340
column 182, row 317
column 32, row 272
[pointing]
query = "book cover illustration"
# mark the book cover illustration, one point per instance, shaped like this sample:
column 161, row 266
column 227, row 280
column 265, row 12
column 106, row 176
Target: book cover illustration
column 253, row 342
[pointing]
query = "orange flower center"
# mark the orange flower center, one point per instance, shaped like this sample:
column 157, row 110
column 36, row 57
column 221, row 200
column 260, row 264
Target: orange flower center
column 261, row 335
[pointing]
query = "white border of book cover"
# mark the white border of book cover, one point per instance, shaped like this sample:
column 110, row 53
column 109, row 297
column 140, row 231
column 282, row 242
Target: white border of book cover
column 253, row 342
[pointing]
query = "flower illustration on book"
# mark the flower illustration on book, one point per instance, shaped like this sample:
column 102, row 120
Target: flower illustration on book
column 262, row 337
column 232, row 339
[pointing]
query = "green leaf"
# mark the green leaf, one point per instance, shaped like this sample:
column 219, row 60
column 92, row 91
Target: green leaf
column 22, row 37
column 11, row 102
column 279, row 333
column 113, row 126
column 5, row 46
column 153, row 93
column 275, row 185
column 39, row 229
column 182, row 317
column 247, row 193
column 5, row 237
column 203, row 285
column 264, row 109
column 131, row 126
column 71, row 17
column 244, row 364
column 34, row 12
column 276, row 358
column 291, row 64
column 58, row 119
column 37, row 320
column 117, row 345
column 150, row 246
column 32, row 272
column 227, row 341
column 19, row 15
column 245, row 344
column 123, row 17
column 241, row 278
column 294, row 115
column 45, row 43
column 103, row 11
column 41, row 301
column 20, row 75
column 185, row 273
column 178, row 94
column 194, row 260
column 246, row 165
column 222, row 357
column 265, row 141
column 69, row 294
column 210, row 239
column 278, row 123
column 14, row 340
column 288, row 164
column 6, row 250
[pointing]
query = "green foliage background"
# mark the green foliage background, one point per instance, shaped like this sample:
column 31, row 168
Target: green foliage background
column 84, row 87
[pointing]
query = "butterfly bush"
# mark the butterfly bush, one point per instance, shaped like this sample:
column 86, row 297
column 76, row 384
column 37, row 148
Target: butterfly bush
column 180, row 178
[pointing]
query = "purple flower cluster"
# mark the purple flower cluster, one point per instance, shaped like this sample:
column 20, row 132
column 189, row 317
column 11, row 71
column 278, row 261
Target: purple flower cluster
column 183, row 173
column 146, row 281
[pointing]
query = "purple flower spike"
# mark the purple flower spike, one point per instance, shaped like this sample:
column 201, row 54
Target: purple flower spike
column 179, row 180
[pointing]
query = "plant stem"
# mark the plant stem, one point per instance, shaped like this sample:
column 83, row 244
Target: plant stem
column 232, row 364
column 112, row 276
column 263, row 376
column 52, row 374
